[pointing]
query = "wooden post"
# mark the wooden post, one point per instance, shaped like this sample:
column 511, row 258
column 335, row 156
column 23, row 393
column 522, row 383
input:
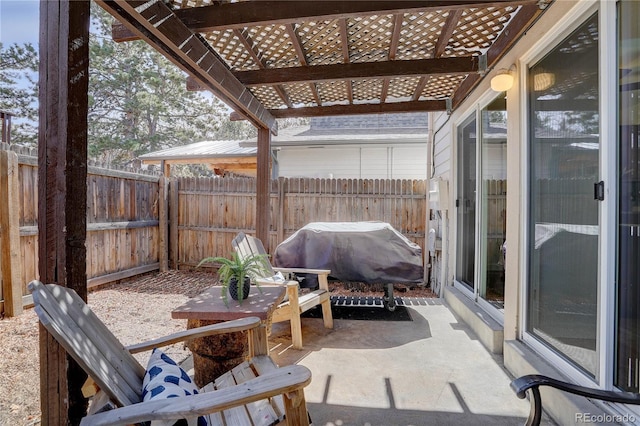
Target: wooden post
column 11, row 260
column 163, row 225
column 263, row 180
column 173, row 222
column 6, row 127
column 282, row 192
column 62, row 189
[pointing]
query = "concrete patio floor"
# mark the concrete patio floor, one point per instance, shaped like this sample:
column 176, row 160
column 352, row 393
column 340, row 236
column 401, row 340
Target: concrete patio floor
column 429, row 371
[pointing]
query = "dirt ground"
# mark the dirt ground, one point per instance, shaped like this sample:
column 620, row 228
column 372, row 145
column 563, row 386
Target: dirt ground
column 134, row 310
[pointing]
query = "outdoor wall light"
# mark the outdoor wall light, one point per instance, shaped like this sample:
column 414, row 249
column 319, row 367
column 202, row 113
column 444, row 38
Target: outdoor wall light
column 543, row 81
column 503, row 81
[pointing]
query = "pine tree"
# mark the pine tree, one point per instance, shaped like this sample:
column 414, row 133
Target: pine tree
column 19, row 91
column 138, row 100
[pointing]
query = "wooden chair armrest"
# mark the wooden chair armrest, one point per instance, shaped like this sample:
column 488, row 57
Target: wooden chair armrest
column 280, row 381
column 322, row 274
column 265, row 281
column 532, row 382
column 208, row 330
column 303, row 271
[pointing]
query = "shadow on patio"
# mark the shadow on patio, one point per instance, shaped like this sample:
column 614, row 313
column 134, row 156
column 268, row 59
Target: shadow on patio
column 428, row 371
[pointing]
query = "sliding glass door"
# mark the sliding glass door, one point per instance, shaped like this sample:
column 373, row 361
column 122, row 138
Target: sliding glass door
column 564, row 228
column 493, row 201
column 466, row 203
column 627, row 372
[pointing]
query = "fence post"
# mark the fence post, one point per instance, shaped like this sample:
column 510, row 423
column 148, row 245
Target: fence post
column 11, row 261
column 163, row 206
column 173, row 222
column 282, row 183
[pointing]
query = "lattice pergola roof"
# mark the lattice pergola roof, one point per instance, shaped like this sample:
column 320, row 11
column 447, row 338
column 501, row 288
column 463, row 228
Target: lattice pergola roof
column 273, row 59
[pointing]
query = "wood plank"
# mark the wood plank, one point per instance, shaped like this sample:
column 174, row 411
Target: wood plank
column 10, row 258
column 174, row 211
column 158, row 25
column 99, row 280
column 263, row 180
column 265, row 365
column 261, row 412
column 111, row 226
column 235, row 416
column 239, row 15
column 93, row 355
column 296, row 408
column 359, row 70
column 285, row 380
column 214, row 419
column 311, row 299
column 387, row 108
column 447, row 31
column 62, row 174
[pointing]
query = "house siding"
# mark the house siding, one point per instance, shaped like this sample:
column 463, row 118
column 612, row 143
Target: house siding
column 325, row 162
column 442, row 146
column 356, row 162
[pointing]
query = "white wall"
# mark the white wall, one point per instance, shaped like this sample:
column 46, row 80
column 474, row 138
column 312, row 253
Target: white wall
column 442, row 155
column 380, row 161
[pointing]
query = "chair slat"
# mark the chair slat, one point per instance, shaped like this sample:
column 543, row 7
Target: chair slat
column 77, row 343
column 264, row 365
column 103, row 337
column 247, row 246
column 236, row 416
column 213, row 419
column 261, row 412
column 311, row 299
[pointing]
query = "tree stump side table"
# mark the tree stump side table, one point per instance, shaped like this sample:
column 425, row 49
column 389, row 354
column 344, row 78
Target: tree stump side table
column 214, row 355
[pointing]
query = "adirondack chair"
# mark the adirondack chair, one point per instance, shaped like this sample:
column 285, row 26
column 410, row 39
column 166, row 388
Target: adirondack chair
column 295, row 303
column 255, row 392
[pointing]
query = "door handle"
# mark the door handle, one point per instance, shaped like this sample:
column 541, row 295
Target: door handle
column 598, row 191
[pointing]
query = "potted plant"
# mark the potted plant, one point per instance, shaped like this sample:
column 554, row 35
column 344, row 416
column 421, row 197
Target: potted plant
column 236, row 273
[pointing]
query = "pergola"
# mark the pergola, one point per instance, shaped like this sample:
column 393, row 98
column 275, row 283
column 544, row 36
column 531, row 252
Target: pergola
column 266, row 60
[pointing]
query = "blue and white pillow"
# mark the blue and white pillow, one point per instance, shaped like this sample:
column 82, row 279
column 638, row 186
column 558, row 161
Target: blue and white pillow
column 165, row 379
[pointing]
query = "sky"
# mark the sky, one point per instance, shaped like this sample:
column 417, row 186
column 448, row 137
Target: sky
column 19, row 21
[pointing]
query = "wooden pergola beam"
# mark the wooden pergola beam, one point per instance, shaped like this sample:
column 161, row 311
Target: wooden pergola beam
column 245, row 14
column 387, row 108
column 359, row 70
column 398, row 18
column 297, row 45
column 419, row 88
column 346, row 57
column 447, row 31
column 156, row 23
column 251, row 47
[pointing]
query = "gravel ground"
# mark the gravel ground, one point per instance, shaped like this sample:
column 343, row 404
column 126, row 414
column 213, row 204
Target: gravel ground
column 134, row 310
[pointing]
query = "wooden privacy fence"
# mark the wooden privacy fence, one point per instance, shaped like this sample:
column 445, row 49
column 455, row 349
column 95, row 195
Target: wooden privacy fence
column 124, row 235
column 211, row 211
column 137, row 222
